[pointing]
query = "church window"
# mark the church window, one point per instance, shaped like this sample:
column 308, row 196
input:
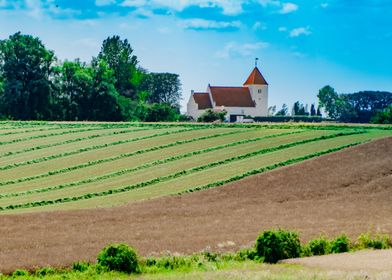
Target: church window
column 259, row 91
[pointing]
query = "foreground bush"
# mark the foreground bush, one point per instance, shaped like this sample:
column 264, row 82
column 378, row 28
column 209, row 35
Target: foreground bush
column 319, row 246
column 119, row 257
column 376, row 242
column 275, row 245
column 341, row 244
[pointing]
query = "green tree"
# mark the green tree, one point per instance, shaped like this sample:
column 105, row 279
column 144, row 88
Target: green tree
column 299, row 109
column 118, row 54
column 312, row 110
column 211, row 116
column 283, row 112
column 162, row 88
column 26, row 68
column 384, row 116
column 330, row 101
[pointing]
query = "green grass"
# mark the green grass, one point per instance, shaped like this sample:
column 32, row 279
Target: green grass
column 83, row 165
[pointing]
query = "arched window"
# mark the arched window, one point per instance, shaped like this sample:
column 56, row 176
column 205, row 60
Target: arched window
column 259, row 91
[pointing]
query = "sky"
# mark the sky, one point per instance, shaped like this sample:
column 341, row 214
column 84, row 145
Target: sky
column 302, row 45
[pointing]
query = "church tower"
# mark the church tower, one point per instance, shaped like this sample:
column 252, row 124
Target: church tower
column 258, row 88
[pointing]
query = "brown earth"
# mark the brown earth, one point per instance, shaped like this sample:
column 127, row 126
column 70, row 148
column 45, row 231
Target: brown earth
column 349, row 191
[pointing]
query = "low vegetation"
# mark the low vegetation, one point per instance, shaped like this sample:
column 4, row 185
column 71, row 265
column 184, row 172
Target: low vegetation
column 119, row 260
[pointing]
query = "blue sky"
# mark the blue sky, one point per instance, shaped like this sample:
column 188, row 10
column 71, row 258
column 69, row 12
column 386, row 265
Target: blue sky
column 302, row 45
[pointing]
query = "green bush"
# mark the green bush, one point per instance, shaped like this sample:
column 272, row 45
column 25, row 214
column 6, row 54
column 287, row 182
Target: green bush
column 319, row 246
column 275, row 245
column 45, row 271
column 19, row 272
column 80, row 266
column 212, row 116
column 119, row 257
column 341, row 244
column 377, row 242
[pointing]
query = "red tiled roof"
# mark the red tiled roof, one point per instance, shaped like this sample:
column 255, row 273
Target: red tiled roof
column 255, row 78
column 232, row 96
column 203, row 100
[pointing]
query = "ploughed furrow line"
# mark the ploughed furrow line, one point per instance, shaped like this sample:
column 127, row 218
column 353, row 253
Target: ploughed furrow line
column 123, row 156
column 69, row 141
column 146, row 165
column 173, row 175
column 91, row 148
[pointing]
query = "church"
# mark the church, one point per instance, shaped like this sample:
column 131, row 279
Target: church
column 239, row 102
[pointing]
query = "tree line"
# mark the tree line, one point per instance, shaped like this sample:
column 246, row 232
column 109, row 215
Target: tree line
column 35, row 85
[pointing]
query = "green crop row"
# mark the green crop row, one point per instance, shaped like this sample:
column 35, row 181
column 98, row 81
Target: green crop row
column 11, row 153
column 171, row 176
column 47, row 135
column 92, row 148
column 127, row 155
column 28, row 130
column 268, row 168
column 147, row 165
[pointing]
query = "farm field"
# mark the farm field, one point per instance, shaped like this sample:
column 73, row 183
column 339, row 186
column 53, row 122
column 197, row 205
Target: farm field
column 60, row 166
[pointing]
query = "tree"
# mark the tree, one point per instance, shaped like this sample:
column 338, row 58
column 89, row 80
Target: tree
column 26, row 68
column 271, row 110
column 284, row 111
column 211, row 116
column 159, row 112
column 330, row 101
column 299, row 109
column 118, row 54
column 162, row 88
column 312, row 110
column 384, row 116
column 318, row 111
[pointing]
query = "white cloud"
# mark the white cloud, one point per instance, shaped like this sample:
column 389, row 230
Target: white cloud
column 282, row 29
column 301, row 31
column 229, row 7
column 259, row 26
column 324, row 5
column 104, row 2
column 233, row 49
column 288, row 8
column 198, row 23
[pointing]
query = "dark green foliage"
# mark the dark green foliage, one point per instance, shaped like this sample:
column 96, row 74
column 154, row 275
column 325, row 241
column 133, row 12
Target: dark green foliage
column 383, row 117
column 319, row 246
column 25, row 70
column 283, row 112
column 80, row 266
column 281, row 118
column 299, row 109
column 313, row 110
column 275, row 245
column 358, row 107
column 159, row 112
column 246, row 254
column 119, row 257
column 212, row 116
column 341, row 244
column 45, row 271
column 20, row 272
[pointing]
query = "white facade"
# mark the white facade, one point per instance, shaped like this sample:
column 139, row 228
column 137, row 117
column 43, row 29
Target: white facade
column 259, row 107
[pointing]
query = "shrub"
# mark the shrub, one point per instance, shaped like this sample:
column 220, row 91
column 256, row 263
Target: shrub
column 211, row 116
column 246, row 254
column 341, row 244
column 45, row 271
column 119, row 257
column 376, row 242
column 80, row 266
column 275, row 245
column 319, row 246
column 19, row 272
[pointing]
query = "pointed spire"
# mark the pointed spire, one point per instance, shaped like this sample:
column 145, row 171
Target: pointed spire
column 255, row 78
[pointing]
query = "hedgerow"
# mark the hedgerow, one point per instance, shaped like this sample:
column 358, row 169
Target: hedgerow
column 122, row 156
column 189, row 171
column 144, row 166
column 91, row 148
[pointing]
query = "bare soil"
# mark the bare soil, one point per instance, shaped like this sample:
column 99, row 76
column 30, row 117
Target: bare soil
column 349, row 191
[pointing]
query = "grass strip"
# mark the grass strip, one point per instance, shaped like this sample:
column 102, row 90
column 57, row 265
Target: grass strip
column 268, row 168
column 145, row 166
column 92, row 148
column 122, row 156
column 28, row 130
column 11, row 153
column 171, row 176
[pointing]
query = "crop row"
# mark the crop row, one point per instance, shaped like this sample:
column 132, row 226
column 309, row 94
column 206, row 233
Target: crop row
column 122, row 156
column 48, row 135
column 92, row 148
column 268, row 168
column 146, row 165
column 171, row 176
column 28, row 130
column 11, row 153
